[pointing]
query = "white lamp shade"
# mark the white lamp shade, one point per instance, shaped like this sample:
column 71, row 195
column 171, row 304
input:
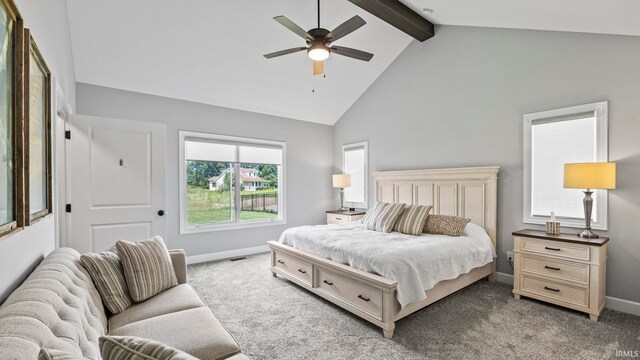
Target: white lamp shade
column 341, row 180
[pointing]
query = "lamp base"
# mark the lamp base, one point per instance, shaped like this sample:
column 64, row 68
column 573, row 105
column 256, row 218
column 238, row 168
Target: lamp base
column 588, row 234
column 342, row 208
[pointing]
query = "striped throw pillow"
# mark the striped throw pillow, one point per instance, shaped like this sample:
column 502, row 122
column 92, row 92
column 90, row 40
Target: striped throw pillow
column 135, row 348
column 107, row 274
column 383, row 216
column 412, row 219
column 147, row 267
column 445, row 225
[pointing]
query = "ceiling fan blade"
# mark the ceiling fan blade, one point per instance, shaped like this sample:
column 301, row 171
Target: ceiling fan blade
column 352, row 53
column 318, row 67
column 345, row 28
column 284, row 52
column 293, row 27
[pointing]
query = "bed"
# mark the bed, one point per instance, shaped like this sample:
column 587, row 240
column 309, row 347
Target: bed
column 467, row 192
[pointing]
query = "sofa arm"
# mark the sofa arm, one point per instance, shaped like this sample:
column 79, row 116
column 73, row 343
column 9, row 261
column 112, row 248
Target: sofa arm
column 179, row 260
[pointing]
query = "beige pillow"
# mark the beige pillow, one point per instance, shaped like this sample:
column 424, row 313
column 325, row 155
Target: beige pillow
column 445, row 225
column 412, row 219
column 147, row 267
column 135, row 348
column 107, row 274
column 383, row 216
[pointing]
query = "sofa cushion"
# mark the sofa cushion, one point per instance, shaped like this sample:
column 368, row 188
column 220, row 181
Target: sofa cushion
column 195, row 331
column 135, row 348
column 56, row 307
column 106, row 271
column 178, row 298
column 48, row 354
column 147, row 267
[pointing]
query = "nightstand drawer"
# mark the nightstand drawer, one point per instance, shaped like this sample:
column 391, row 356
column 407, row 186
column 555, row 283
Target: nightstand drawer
column 337, row 219
column 556, row 248
column 574, row 295
column 296, row 268
column 556, row 268
column 333, row 218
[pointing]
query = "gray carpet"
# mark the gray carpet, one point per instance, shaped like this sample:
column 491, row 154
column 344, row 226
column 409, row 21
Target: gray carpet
column 273, row 318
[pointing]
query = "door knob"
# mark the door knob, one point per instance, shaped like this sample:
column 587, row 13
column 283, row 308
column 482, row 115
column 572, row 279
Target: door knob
column 161, row 212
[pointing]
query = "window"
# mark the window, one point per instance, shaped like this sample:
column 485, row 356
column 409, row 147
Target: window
column 230, row 182
column 38, row 127
column 8, row 198
column 552, row 139
column 355, row 163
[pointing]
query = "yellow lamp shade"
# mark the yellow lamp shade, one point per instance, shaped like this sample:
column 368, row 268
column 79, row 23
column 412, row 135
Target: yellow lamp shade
column 341, row 180
column 601, row 175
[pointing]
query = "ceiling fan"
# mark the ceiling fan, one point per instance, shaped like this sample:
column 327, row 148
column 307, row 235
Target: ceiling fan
column 319, row 41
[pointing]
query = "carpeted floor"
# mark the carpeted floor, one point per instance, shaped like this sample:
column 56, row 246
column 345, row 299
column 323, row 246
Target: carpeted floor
column 273, row 318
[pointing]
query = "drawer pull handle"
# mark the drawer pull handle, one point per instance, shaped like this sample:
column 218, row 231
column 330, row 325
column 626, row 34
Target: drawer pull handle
column 338, row 218
column 327, row 282
column 551, row 267
column 302, row 271
column 363, row 298
column 280, row 262
column 551, row 289
column 550, row 248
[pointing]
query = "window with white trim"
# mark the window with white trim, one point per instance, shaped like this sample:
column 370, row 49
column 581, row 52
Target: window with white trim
column 229, row 182
column 355, row 163
column 553, row 138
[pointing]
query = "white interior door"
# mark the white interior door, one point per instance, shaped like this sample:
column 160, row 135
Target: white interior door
column 117, row 182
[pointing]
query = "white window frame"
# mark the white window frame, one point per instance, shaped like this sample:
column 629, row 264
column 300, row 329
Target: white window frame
column 185, row 228
column 365, row 145
column 600, row 109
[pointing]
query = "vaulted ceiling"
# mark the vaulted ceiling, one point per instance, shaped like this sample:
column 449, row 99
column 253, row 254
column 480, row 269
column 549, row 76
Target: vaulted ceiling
column 211, row 51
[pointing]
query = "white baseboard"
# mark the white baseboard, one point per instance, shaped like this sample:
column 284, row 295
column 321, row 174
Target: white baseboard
column 504, row 278
column 195, row 259
column 625, row 306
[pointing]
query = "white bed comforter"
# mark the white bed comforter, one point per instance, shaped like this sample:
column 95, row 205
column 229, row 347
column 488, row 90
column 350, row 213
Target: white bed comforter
column 417, row 263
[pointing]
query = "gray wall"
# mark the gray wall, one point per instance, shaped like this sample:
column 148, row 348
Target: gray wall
column 47, row 20
column 458, row 100
column 309, row 159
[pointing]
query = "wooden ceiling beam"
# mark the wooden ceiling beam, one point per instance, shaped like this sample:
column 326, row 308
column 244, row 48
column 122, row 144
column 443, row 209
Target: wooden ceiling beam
column 399, row 15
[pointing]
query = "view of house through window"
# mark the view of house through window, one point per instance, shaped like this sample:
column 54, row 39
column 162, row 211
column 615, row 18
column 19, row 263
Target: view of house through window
column 232, row 182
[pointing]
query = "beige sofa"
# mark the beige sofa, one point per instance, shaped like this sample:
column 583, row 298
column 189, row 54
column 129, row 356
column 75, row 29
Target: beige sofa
column 59, row 308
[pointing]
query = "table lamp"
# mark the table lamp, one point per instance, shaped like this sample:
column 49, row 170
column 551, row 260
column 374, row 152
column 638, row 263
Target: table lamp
column 341, row 181
column 600, row 175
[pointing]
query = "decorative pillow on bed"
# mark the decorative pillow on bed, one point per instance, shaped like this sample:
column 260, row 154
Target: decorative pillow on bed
column 147, row 267
column 107, row 274
column 445, row 225
column 412, row 219
column 383, row 216
column 135, row 348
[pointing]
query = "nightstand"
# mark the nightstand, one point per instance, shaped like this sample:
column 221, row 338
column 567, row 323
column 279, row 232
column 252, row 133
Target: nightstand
column 343, row 217
column 563, row 269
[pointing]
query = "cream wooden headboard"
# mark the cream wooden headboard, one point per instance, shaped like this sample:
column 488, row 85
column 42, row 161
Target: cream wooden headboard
column 468, row 192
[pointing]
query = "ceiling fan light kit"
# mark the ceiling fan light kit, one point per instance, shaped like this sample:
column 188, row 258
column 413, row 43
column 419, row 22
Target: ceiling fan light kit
column 319, row 41
column 318, row 52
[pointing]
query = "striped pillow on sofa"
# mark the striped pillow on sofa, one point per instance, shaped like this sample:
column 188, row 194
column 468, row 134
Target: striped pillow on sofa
column 147, row 267
column 135, row 348
column 107, row 274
